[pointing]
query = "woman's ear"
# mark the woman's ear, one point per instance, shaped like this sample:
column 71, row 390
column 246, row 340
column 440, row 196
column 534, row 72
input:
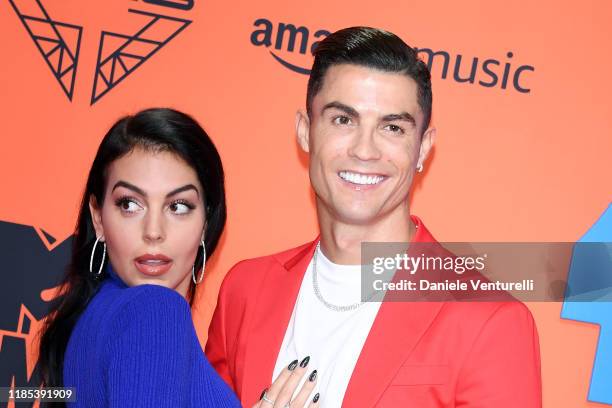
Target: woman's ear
column 96, row 217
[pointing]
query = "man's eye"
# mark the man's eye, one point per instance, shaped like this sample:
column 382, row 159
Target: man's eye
column 342, row 120
column 394, row 129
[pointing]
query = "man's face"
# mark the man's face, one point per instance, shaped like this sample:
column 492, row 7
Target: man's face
column 364, row 142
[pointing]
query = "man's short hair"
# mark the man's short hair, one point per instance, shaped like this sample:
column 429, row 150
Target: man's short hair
column 372, row 48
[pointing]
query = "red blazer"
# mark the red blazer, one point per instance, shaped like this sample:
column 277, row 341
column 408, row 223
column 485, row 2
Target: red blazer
column 428, row 354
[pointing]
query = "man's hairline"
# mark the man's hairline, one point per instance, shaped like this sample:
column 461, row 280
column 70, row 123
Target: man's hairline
column 403, row 72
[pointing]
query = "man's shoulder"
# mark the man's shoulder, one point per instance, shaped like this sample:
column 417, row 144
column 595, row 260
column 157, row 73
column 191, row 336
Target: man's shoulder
column 279, row 258
column 251, row 271
column 478, row 315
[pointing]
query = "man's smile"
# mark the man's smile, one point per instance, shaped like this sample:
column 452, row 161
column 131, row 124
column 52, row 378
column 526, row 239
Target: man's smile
column 361, row 178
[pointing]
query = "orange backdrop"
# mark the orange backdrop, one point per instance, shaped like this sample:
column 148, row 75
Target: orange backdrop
column 508, row 165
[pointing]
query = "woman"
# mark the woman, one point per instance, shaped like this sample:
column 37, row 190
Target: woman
column 121, row 334
column 154, row 206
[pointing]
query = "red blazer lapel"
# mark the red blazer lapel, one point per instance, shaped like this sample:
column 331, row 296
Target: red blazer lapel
column 394, row 334
column 271, row 317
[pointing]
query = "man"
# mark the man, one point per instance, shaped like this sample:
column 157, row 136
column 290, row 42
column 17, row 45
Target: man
column 367, row 131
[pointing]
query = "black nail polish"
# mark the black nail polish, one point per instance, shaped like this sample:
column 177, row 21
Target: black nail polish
column 313, row 376
column 304, row 362
column 293, row 365
column 263, row 393
column 316, row 398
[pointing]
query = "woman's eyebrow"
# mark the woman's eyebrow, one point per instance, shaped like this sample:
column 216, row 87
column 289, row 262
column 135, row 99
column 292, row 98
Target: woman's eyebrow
column 184, row 188
column 140, row 191
column 129, row 186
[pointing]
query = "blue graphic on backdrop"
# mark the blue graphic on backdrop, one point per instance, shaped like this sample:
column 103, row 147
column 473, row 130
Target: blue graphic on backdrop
column 588, row 299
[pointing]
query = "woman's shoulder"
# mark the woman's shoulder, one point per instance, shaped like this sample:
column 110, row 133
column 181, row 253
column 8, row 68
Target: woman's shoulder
column 147, row 319
column 150, row 295
column 143, row 306
column 150, row 301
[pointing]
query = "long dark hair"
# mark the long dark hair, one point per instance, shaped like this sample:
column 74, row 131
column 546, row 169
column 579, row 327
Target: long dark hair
column 158, row 129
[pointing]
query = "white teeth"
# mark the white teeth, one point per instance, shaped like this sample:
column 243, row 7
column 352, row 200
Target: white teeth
column 357, row 178
column 154, row 261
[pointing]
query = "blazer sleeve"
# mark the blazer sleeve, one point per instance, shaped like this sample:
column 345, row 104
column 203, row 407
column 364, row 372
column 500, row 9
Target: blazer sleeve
column 149, row 351
column 217, row 348
column 502, row 370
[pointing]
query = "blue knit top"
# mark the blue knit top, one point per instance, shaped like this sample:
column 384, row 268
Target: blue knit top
column 137, row 347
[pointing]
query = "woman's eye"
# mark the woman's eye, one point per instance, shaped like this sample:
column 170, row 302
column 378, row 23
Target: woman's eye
column 342, row 120
column 128, row 205
column 180, row 208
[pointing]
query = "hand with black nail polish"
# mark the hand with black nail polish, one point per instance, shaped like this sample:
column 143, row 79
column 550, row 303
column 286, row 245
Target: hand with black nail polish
column 284, row 389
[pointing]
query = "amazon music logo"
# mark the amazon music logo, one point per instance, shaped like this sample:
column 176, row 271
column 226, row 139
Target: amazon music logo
column 286, row 41
column 486, row 72
column 119, row 53
column 291, row 46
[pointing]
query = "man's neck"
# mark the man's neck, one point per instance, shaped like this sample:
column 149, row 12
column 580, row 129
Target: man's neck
column 341, row 241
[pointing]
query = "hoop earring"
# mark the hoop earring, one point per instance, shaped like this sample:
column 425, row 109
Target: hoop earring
column 193, row 277
column 93, row 251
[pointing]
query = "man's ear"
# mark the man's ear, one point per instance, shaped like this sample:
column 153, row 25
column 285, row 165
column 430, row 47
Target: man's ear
column 302, row 130
column 96, row 217
column 427, row 142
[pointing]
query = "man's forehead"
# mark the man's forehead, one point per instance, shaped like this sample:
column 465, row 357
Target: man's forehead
column 368, row 89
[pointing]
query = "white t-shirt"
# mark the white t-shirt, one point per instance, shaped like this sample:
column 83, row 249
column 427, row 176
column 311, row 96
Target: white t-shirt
column 332, row 339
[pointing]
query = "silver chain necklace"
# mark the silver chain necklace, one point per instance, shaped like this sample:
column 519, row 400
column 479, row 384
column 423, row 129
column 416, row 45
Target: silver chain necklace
column 317, row 291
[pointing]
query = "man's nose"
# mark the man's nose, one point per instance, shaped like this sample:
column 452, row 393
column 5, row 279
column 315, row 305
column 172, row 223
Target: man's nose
column 364, row 146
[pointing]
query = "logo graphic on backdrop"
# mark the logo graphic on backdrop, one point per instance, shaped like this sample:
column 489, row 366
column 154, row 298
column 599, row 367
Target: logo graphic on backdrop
column 118, row 54
column 293, row 41
column 35, row 262
column 59, row 43
column 267, row 35
column 591, row 265
column 116, row 64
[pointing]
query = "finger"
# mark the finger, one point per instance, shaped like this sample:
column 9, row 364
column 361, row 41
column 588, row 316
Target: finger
column 314, row 403
column 291, row 384
column 303, row 395
column 280, row 381
column 258, row 403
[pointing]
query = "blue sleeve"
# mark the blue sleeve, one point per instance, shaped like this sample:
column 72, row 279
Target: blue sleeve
column 150, row 352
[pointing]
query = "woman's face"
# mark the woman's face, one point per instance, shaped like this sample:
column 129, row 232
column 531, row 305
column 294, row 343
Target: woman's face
column 152, row 219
